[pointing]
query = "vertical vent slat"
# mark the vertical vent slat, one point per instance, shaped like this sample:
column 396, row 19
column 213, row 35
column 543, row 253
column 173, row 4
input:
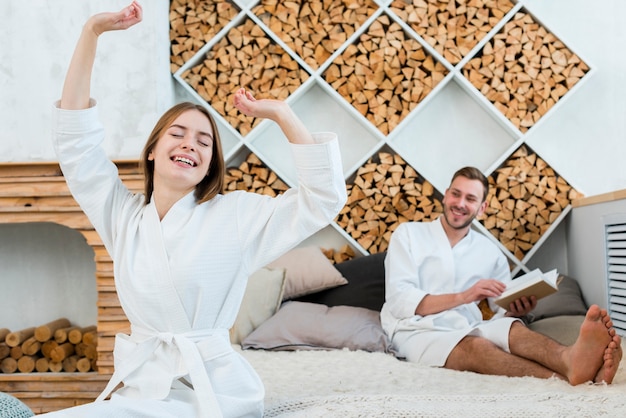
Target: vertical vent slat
column 615, row 234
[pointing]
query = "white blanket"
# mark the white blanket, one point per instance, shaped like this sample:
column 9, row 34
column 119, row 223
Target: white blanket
column 361, row 384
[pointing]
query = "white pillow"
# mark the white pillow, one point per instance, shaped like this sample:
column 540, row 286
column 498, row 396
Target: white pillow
column 261, row 300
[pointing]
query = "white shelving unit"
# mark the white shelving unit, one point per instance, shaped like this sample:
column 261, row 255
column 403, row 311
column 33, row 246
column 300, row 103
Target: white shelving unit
column 455, row 125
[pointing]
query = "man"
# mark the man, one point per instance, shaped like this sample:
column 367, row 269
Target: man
column 438, row 272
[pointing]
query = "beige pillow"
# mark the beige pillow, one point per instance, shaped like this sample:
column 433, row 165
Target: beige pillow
column 261, row 300
column 307, row 270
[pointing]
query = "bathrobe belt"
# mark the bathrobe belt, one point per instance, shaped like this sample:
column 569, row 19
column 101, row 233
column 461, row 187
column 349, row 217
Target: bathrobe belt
column 193, row 348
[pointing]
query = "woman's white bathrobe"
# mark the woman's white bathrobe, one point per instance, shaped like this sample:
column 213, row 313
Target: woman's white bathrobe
column 420, row 261
column 181, row 280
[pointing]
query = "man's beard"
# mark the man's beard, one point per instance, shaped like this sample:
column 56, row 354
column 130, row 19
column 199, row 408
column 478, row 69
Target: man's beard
column 464, row 225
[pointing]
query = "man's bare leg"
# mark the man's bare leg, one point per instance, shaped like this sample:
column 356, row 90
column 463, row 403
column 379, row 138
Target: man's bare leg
column 479, row 355
column 591, row 357
column 580, row 362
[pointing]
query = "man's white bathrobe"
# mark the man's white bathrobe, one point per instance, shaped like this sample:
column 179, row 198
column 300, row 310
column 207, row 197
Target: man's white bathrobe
column 181, row 280
column 420, row 261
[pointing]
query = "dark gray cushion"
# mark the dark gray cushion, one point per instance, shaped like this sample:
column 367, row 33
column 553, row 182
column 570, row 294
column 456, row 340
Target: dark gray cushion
column 567, row 301
column 365, row 288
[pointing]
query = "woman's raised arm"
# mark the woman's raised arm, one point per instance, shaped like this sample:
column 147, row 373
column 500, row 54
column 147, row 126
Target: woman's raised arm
column 76, row 89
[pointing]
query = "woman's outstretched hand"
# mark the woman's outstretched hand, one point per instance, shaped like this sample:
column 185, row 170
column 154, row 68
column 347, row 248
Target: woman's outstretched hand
column 109, row 21
column 262, row 108
column 275, row 110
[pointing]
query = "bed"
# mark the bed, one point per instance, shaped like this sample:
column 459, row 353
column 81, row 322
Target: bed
column 311, row 330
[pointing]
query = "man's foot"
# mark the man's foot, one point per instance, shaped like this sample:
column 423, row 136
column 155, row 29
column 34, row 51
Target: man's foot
column 611, row 360
column 586, row 357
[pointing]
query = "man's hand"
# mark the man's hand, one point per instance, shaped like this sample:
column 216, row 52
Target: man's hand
column 522, row 306
column 484, row 288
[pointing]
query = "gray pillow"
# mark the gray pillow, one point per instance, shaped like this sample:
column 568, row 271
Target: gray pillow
column 567, row 301
column 312, row 326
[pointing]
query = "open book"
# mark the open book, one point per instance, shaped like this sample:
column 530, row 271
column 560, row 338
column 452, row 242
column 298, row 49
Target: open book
column 534, row 283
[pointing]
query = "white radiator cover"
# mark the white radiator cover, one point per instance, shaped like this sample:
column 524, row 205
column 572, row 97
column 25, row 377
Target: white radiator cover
column 615, row 238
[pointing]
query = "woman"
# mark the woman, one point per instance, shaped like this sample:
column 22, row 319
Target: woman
column 183, row 251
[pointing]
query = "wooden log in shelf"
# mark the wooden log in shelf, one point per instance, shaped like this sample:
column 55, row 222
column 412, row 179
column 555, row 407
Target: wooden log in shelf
column 524, row 70
column 526, row 197
column 385, row 74
column 314, row 29
column 452, row 28
column 245, row 57
column 386, row 191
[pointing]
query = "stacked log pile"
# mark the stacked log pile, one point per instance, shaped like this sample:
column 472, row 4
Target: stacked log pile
column 193, row 24
column 344, row 253
column 253, row 176
column 53, row 347
column 386, row 191
column 384, row 75
column 314, row 29
column 245, row 57
column 524, row 70
column 526, row 197
column 454, row 27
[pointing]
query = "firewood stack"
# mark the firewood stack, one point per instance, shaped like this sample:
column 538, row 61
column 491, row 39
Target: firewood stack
column 524, row 71
column 526, row 197
column 53, row 347
column 193, row 24
column 386, row 192
column 385, row 75
column 253, row 176
column 452, row 28
column 314, row 29
column 345, row 253
column 245, row 57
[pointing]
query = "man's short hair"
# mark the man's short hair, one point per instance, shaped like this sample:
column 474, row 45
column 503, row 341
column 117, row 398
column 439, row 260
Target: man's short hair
column 472, row 173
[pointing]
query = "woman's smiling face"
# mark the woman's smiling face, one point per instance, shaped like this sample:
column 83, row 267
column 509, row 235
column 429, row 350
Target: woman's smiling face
column 183, row 153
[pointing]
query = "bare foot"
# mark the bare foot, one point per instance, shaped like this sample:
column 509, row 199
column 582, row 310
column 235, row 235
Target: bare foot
column 587, row 356
column 611, row 360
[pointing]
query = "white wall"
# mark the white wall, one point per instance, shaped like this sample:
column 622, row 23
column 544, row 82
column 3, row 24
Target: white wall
column 47, row 271
column 131, row 79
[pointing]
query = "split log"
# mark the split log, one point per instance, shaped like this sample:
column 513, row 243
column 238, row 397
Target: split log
column 526, row 197
column 70, row 363
column 385, row 193
column 3, row 334
column 59, row 353
column 61, row 334
column 253, row 176
column 45, row 332
column 41, row 365
column 193, row 24
column 524, row 70
column 5, row 350
column 345, row 253
column 83, row 365
column 16, row 352
column 16, row 338
column 31, row 346
column 75, row 336
column 55, row 366
column 245, row 57
column 314, row 29
column 452, row 28
column 26, row 364
column 8, row 365
column 385, row 75
column 47, row 347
